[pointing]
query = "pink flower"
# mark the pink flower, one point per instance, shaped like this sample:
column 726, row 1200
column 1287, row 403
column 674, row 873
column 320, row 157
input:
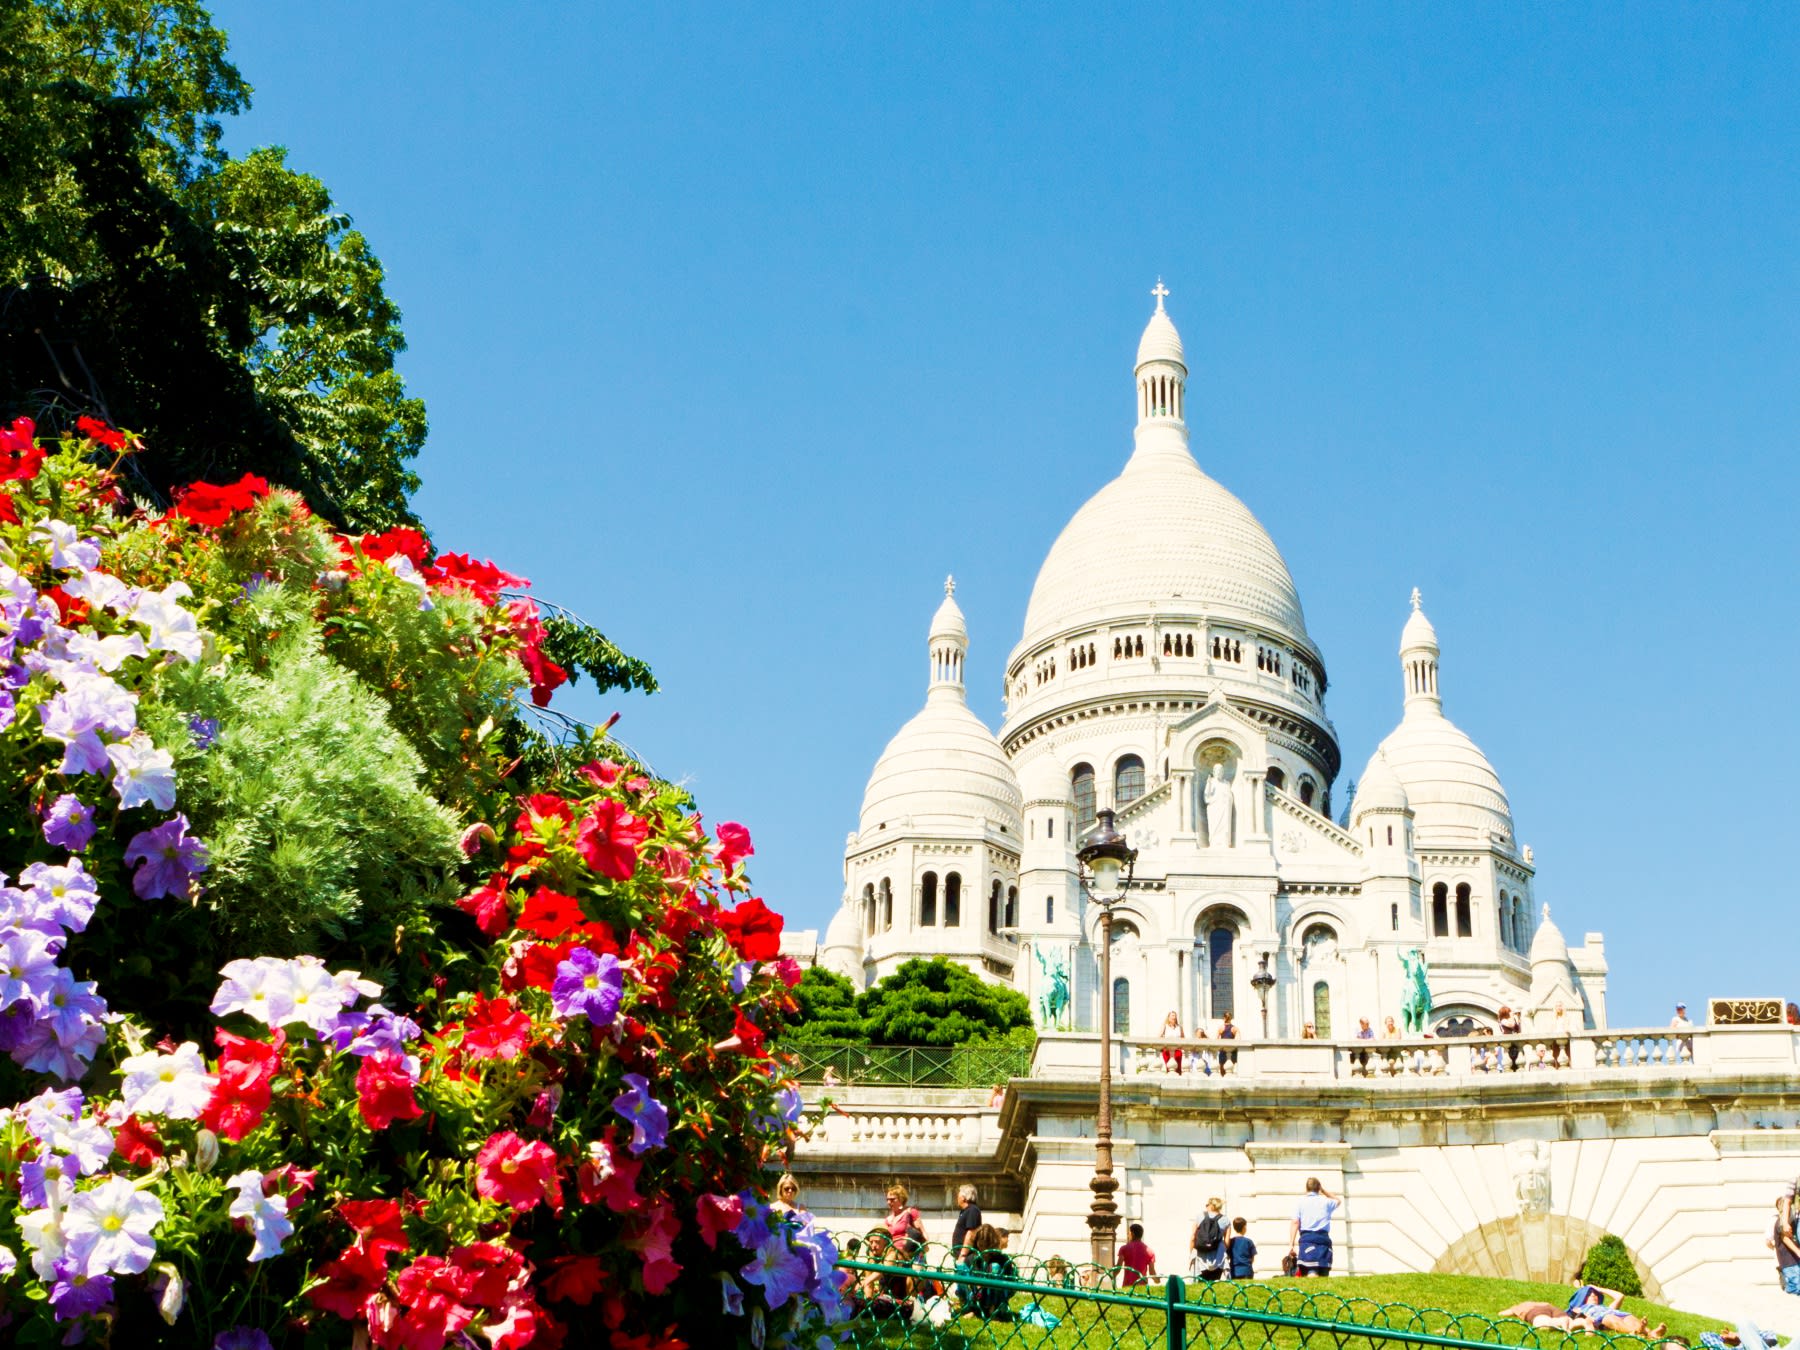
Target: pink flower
column 517, row 1172
column 734, row 844
column 651, row 1238
column 717, row 1214
column 609, row 838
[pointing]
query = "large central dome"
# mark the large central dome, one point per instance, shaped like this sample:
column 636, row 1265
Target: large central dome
column 1163, row 533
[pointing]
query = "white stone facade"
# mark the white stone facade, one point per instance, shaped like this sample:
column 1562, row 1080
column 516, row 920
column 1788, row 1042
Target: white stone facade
column 1165, row 671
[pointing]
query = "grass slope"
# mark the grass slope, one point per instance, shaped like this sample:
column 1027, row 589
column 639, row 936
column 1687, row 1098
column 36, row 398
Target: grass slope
column 1461, row 1306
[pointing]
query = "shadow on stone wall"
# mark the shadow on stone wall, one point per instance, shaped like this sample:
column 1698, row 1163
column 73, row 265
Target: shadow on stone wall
column 1532, row 1247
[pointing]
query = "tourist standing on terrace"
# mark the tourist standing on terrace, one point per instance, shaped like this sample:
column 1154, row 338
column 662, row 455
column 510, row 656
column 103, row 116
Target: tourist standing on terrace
column 1171, row 1031
column 1684, row 1045
column 1310, row 1244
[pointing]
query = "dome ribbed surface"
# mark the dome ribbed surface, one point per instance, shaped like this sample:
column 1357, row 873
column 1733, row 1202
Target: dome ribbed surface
column 1160, row 341
column 1449, row 783
column 1164, row 532
column 949, row 621
column 1418, row 633
column 1548, row 943
column 1379, row 789
column 845, row 930
column 945, row 762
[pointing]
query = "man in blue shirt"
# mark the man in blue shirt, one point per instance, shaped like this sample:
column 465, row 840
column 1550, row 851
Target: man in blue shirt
column 1311, row 1241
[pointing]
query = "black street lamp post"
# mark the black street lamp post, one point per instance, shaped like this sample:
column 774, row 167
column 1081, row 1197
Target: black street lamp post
column 1107, row 863
column 1262, row 982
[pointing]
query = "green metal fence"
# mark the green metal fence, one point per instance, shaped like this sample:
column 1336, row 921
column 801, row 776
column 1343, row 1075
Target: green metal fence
column 992, row 1301
column 912, row 1066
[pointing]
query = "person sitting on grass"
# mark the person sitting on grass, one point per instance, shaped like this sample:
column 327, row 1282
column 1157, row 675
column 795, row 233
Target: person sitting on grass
column 1595, row 1308
column 880, row 1293
column 989, row 1258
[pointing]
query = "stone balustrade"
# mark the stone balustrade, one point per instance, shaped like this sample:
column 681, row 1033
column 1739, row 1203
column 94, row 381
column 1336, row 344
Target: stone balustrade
column 1198, row 1062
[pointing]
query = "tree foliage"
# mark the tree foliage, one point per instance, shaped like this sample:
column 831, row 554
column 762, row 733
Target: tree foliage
column 223, row 308
column 935, row 1002
column 1609, row 1265
column 827, row 1008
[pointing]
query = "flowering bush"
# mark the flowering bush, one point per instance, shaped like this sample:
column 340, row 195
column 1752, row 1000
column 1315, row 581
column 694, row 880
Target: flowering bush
column 242, row 753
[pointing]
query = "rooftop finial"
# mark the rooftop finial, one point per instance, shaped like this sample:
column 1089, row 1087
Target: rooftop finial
column 1161, row 292
column 950, row 585
column 1415, row 598
column 1546, row 911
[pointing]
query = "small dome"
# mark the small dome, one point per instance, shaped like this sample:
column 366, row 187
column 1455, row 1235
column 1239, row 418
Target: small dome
column 1548, row 944
column 944, row 763
column 948, row 622
column 1379, row 789
column 845, row 930
column 1418, row 632
column 1160, row 341
column 1452, row 789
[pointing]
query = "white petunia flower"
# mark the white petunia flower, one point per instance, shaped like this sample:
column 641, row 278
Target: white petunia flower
column 110, row 1228
column 176, row 1086
column 265, row 1214
column 171, row 628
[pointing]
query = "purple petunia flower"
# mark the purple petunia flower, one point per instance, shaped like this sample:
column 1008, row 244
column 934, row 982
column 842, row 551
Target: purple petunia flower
column 27, row 966
column 64, row 897
column 85, row 754
column 781, row 1271
column 50, row 1174
column 204, row 730
column 649, row 1118
column 588, row 985
column 242, row 1338
column 69, row 824
column 75, row 1294
column 142, row 774
column 168, row 859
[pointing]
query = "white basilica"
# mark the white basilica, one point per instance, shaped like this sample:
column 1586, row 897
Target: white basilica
column 1165, row 671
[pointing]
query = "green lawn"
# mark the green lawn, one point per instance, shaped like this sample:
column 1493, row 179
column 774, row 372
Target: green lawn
column 1454, row 1305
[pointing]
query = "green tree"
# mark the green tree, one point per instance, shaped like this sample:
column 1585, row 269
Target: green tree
column 827, row 1008
column 225, row 309
column 938, row 1002
column 1609, row 1265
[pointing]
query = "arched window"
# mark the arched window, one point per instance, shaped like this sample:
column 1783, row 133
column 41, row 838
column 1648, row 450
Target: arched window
column 1121, row 1007
column 1440, row 910
column 1049, row 910
column 1522, row 923
column 1321, row 1018
column 1465, row 915
column 1219, row 944
column 1081, row 778
column 994, row 908
column 928, row 900
column 868, row 898
column 1012, row 907
column 887, row 905
column 953, row 900
column 1276, row 777
column 1307, row 789
column 1128, row 779
column 1394, row 918
column 1503, row 914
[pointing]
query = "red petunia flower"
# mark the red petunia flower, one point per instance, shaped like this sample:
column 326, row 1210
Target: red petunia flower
column 716, row 1214
column 481, row 579
column 517, row 1172
column 734, row 844
column 384, row 1090
column 749, row 1037
column 432, row 1291
column 495, row 1029
column 490, row 1271
column 137, row 1143
column 378, row 1224
column 351, row 1279
column 652, row 1237
column 550, row 914
column 754, row 929
column 20, row 457
column 542, row 815
column 610, row 1177
column 402, row 539
column 609, row 838
column 573, row 1279
column 241, row 1096
column 96, row 430
column 489, row 906
column 520, row 1322
column 73, row 611
column 212, row 506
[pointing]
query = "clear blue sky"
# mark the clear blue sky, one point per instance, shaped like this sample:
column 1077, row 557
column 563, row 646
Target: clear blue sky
column 741, row 326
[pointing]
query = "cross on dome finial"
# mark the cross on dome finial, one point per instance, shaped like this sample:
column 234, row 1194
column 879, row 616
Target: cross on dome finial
column 950, row 585
column 1415, row 597
column 1161, row 292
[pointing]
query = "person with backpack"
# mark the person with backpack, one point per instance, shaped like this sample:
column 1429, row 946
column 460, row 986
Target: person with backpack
column 1209, row 1242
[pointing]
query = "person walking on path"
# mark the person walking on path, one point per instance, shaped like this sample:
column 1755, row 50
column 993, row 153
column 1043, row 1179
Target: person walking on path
column 962, row 1248
column 1240, row 1251
column 1209, row 1241
column 1310, row 1244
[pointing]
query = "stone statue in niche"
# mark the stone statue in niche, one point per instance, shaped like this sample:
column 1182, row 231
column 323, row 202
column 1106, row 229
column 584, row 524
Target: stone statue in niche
column 1053, row 1002
column 1218, row 808
column 1529, row 1160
